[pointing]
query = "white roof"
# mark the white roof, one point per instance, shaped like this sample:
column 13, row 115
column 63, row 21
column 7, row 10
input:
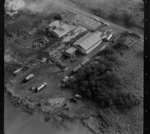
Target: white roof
column 61, row 28
column 71, row 50
column 87, row 41
column 55, row 23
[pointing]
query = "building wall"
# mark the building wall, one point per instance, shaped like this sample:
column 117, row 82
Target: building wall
column 69, row 54
column 82, row 50
column 93, row 47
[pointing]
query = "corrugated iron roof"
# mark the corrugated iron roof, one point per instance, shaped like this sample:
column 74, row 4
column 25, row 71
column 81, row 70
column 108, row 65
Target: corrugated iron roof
column 71, row 50
column 55, row 23
column 89, row 40
column 61, row 28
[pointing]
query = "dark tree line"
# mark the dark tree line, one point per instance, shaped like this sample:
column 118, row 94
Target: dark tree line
column 97, row 81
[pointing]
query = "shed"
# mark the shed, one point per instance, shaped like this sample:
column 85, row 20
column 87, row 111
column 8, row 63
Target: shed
column 60, row 29
column 70, row 52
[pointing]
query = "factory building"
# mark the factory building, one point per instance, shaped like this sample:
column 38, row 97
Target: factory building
column 60, row 29
column 88, row 42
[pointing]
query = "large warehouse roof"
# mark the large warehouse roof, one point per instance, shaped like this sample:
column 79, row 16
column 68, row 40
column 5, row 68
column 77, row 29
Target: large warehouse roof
column 90, row 39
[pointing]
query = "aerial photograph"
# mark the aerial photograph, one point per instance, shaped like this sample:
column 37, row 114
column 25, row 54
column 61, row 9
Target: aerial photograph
column 73, row 66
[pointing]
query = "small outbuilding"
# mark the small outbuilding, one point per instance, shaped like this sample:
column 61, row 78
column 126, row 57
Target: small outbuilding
column 70, row 52
column 60, row 29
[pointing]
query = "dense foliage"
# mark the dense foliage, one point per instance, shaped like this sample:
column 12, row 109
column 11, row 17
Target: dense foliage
column 99, row 82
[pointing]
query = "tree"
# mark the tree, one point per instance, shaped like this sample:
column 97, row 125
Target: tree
column 126, row 101
column 88, row 93
column 127, row 19
column 85, row 83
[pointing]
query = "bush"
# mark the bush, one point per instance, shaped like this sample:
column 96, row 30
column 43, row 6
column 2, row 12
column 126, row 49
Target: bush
column 104, row 101
column 140, row 55
column 113, row 59
column 112, row 81
column 120, row 45
column 96, row 82
column 126, row 101
column 113, row 17
column 127, row 20
column 122, row 18
column 98, row 12
column 57, row 17
column 107, row 51
column 99, row 83
column 125, row 34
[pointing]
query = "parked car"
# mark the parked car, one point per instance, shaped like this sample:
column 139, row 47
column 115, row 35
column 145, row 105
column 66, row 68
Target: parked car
column 78, row 96
column 65, row 79
column 28, row 78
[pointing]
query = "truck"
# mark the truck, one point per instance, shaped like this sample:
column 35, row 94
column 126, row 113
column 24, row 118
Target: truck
column 40, row 87
column 28, row 78
column 44, row 59
column 32, row 89
column 17, row 71
column 65, row 79
column 77, row 96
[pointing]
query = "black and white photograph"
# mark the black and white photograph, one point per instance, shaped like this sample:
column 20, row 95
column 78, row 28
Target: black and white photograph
column 73, row 66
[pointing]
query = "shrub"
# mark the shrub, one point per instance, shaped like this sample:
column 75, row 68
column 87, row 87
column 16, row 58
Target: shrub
column 120, row 45
column 107, row 51
column 113, row 17
column 125, row 34
column 112, row 81
column 96, row 83
column 99, row 83
column 113, row 58
column 57, row 17
column 140, row 55
column 127, row 19
column 126, row 101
